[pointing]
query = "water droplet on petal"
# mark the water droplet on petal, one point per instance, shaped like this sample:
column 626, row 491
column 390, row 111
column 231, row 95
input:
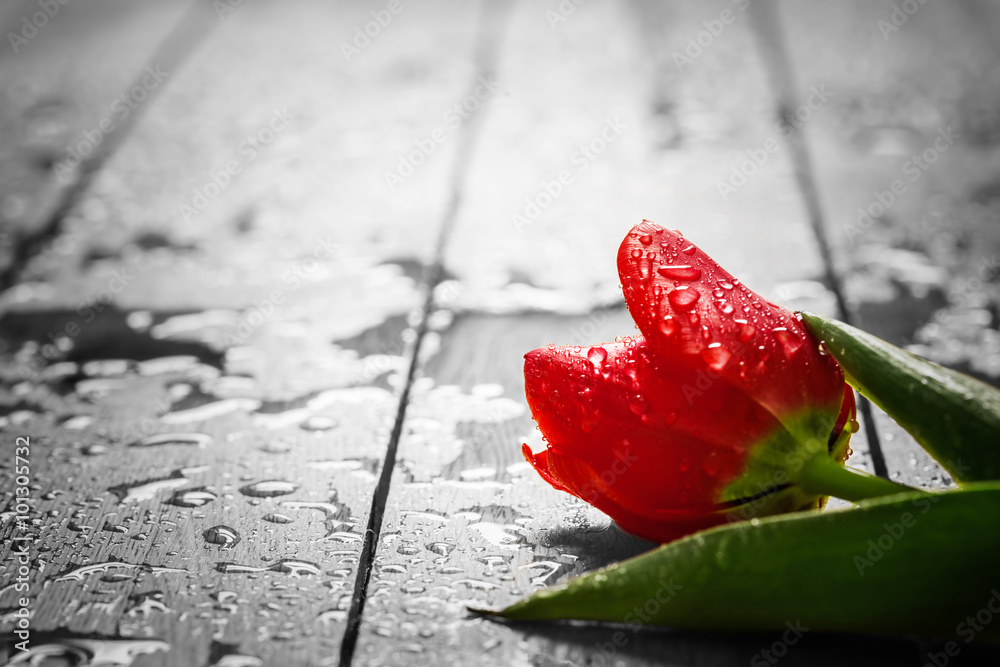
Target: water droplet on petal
column 639, row 405
column 726, row 307
column 680, row 272
column 746, row 331
column 689, row 250
column 790, row 343
column 711, row 463
column 683, row 297
column 636, row 253
column 597, row 355
column 716, row 356
column 668, row 327
column 646, row 239
column 854, row 426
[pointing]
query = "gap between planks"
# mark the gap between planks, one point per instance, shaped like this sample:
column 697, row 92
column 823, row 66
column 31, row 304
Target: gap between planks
column 765, row 20
column 183, row 39
column 492, row 23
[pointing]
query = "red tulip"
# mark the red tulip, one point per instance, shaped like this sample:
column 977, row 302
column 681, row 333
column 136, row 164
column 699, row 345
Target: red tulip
column 724, row 408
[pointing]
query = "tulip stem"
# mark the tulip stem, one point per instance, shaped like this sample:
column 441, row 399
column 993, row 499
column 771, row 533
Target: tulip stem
column 822, row 475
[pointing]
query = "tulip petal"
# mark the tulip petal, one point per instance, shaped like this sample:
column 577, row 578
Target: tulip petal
column 654, row 443
column 690, row 308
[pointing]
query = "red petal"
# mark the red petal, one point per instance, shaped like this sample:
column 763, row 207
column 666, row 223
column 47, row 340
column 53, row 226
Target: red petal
column 632, row 432
column 693, row 311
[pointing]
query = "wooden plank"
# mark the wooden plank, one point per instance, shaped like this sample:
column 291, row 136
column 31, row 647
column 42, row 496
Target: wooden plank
column 74, row 89
column 303, row 249
column 467, row 521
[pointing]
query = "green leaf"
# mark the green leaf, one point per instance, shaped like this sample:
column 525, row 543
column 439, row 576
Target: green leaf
column 954, row 417
column 909, row 563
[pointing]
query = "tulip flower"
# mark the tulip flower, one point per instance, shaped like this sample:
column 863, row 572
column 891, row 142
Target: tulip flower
column 725, row 408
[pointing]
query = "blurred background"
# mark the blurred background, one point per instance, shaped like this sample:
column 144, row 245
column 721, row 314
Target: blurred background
column 246, row 241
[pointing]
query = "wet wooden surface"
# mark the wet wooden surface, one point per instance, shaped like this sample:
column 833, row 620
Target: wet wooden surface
column 214, row 363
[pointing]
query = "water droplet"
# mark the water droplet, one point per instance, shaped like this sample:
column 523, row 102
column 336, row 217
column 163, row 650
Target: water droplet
column 645, row 239
column 269, row 488
column 294, row 567
column 680, row 272
column 636, row 253
column 711, row 463
column 80, row 651
column 668, row 327
column 854, row 426
column 192, row 497
column 690, row 250
column 221, row 534
column 726, row 307
column 79, row 573
column 597, row 355
column 716, row 356
column 273, row 517
column 639, row 405
column 683, row 297
column 790, row 343
column 746, row 332
column 111, row 527
column 443, row 548
column 590, row 420
column 319, row 423
column 332, row 616
column 198, row 439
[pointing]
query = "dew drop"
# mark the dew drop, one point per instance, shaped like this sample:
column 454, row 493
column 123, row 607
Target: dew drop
column 636, row 253
column 222, row 534
column 269, row 488
column 589, row 421
column 689, row 250
column 711, row 464
column 597, row 355
column 192, row 497
column 639, row 405
column 442, row 548
column 683, row 297
column 790, row 343
column 680, row 272
column 726, row 307
column 746, row 332
column 646, row 239
column 716, row 356
column 668, row 327
column 273, row 517
column 854, row 426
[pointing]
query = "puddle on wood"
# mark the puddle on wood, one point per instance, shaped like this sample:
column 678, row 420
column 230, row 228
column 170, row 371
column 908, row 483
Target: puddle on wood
column 52, row 650
column 97, row 336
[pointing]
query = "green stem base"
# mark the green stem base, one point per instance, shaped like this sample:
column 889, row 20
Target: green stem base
column 821, row 475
